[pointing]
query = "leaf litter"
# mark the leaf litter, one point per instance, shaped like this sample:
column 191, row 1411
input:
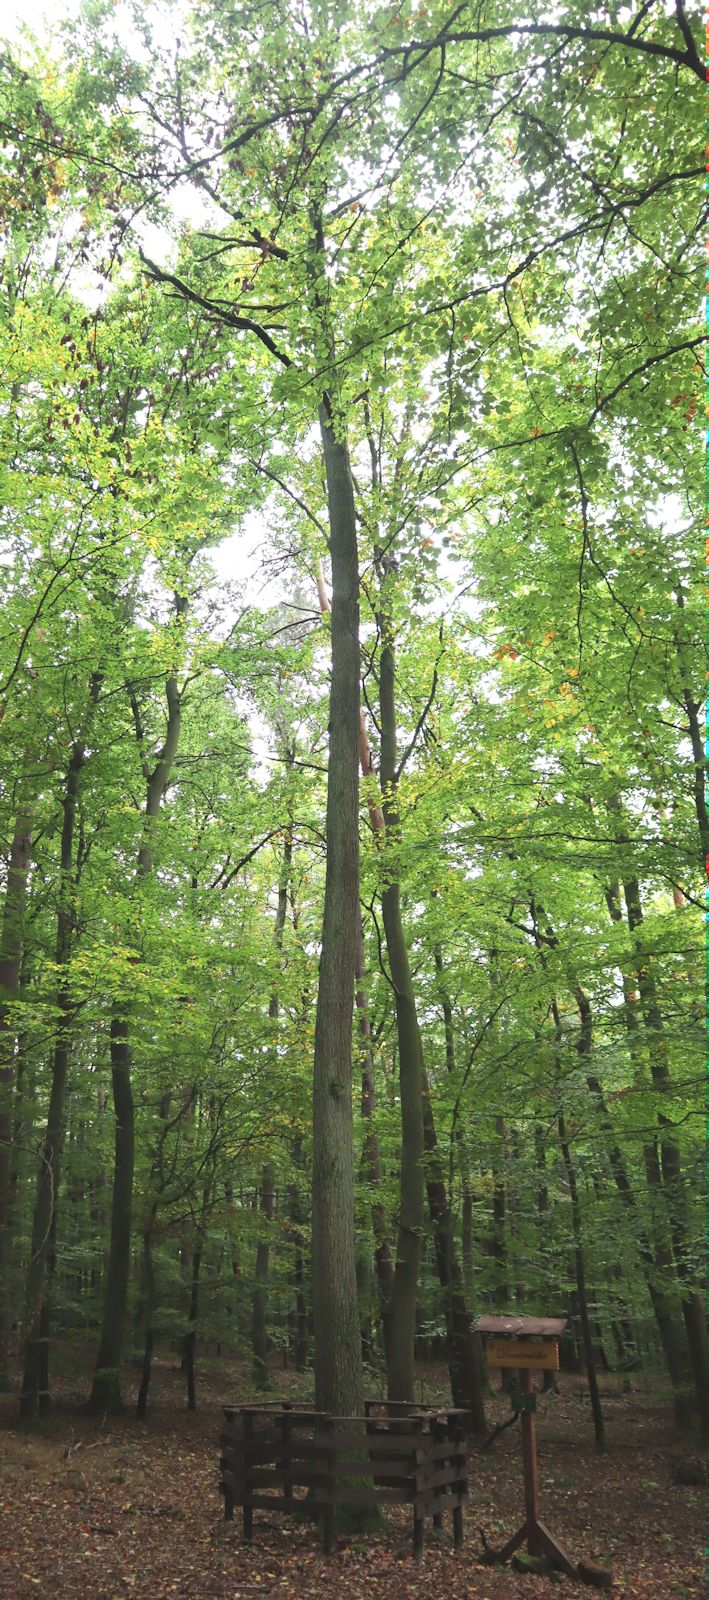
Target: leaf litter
column 102, row 1510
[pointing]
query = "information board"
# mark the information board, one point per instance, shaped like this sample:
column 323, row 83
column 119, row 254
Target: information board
column 542, row 1354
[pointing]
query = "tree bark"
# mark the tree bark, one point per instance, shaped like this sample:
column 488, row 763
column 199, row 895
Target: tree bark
column 259, row 1323
column 11, row 944
column 463, row 1357
column 598, row 1423
column 337, row 1355
column 400, row 1374
column 371, row 1160
column 259, row 1303
column 36, row 1326
column 669, row 1184
column 190, row 1340
column 106, row 1390
column 141, row 1405
column 466, row 1363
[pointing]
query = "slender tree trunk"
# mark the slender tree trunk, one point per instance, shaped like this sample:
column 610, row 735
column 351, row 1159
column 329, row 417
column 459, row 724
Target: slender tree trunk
column 463, row 1357
column 259, row 1325
column 498, row 1237
column 371, row 1160
column 598, row 1423
column 655, row 1268
column 298, row 1318
column 466, row 1363
column 513, row 1208
column 141, row 1405
column 190, row 1340
column 52, row 1144
column 672, row 1183
column 411, row 1072
column 45, row 1325
column 693, row 709
column 466, row 1243
column 259, row 1304
column 656, row 1256
column 11, row 943
column 338, row 1358
column 106, row 1390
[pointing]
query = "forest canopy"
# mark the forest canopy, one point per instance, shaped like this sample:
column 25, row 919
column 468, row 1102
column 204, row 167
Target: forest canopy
column 352, row 819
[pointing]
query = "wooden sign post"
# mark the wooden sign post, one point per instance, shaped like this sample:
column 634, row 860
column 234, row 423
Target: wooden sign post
column 529, row 1344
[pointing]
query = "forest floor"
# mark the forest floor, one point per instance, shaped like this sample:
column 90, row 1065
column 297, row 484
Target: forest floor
column 114, row 1509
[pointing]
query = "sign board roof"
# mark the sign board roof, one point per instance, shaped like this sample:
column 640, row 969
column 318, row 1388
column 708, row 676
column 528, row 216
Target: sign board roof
column 522, row 1327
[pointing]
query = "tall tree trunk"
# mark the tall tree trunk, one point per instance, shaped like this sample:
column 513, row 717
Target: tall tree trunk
column 259, row 1324
column 156, row 1185
column 338, row 1358
column 466, row 1243
column 464, row 1363
column 141, row 1405
column 52, row 1144
column 190, row 1340
column 655, row 1267
column 371, row 1160
column 106, row 1389
column 259, row 1303
column 465, row 1355
column 693, row 709
column 11, row 943
column 411, row 1073
column 298, row 1317
column 498, row 1235
column 672, row 1183
column 598, row 1423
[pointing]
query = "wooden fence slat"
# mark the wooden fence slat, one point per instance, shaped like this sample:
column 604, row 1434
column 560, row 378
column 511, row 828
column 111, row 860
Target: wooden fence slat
column 398, row 1455
column 262, row 1451
column 441, row 1452
column 439, row 1478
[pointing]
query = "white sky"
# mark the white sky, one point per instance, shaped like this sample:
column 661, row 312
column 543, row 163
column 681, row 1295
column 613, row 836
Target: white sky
column 33, row 14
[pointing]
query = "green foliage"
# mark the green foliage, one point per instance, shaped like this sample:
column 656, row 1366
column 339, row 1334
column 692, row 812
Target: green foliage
column 480, row 242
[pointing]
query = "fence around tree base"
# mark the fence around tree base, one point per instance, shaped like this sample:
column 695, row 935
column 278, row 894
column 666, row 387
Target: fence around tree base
column 306, row 1462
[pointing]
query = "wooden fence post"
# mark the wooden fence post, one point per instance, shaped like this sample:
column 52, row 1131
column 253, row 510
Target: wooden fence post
column 419, row 1523
column 285, row 1423
column 458, row 1439
column 330, row 1507
column 439, row 1432
column 248, row 1524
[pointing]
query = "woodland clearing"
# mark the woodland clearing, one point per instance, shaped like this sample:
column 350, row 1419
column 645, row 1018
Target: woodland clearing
column 113, row 1508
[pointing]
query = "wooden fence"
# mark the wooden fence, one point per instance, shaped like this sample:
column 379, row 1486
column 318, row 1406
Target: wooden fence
column 277, row 1458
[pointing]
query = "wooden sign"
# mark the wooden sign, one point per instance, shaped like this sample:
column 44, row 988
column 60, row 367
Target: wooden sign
column 536, row 1354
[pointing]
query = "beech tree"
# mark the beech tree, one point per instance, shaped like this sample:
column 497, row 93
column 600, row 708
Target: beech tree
column 424, row 344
